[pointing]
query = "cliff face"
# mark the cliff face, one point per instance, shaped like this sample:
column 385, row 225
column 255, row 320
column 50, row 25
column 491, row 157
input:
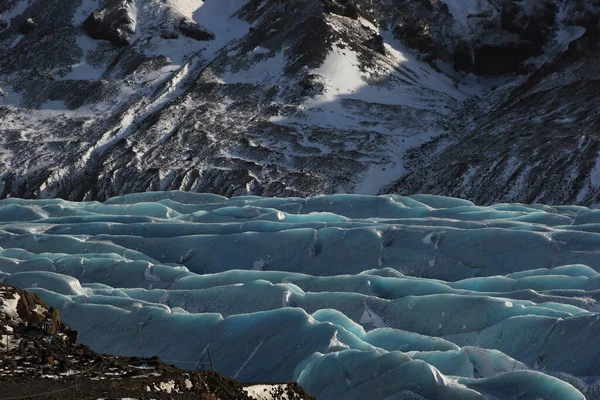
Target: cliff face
column 486, row 99
column 40, row 356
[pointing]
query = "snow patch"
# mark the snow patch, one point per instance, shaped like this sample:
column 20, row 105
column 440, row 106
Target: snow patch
column 9, row 306
column 168, row 387
column 369, row 317
column 267, row 392
column 461, row 9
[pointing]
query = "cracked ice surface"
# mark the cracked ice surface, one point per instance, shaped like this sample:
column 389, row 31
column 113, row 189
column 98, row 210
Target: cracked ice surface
column 353, row 296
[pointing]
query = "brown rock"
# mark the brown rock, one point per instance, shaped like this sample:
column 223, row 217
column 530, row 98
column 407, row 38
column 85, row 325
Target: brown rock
column 29, row 302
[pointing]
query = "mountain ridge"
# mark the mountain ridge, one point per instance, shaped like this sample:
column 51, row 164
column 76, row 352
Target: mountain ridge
column 292, row 98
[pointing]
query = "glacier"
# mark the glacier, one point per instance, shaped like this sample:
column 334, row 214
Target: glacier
column 353, row 296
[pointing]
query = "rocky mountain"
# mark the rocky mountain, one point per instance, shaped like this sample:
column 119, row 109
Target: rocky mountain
column 490, row 100
column 536, row 138
column 40, row 357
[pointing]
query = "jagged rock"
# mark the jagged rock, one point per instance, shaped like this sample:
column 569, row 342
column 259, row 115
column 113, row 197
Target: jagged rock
column 590, row 40
column 192, row 30
column 72, row 336
column 416, row 34
column 376, row 43
column 535, row 26
column 582, row 13
column 113, row 23
column 52, row 322
column 30, row 308
column 311, row 85
column 169, row 34
column 346, row 8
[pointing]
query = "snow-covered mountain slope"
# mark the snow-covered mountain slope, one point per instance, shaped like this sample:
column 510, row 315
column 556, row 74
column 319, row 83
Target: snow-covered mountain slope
column 540, row 144
column 105, row 97
column 533, row 142
column 355, row 297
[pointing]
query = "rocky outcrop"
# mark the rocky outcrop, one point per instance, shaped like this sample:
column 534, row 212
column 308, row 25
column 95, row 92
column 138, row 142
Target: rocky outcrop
column 346, row 8
column 192, row 30
column 531, row 22
column 113, row 23
column 493, row 37
column 28, row 26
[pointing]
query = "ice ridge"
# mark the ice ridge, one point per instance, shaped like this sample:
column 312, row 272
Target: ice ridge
column 380, row 297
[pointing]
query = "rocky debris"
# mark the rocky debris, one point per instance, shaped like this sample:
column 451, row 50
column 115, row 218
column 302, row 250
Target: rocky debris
column 39, row 355
column 346, row 8
column 113, row 23
column 376, row 43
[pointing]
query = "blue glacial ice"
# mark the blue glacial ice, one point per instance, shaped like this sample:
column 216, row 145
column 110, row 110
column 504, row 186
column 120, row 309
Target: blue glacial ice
column 356, row 297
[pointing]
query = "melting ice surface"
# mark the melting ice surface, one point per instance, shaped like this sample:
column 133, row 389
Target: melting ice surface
column 356, row 297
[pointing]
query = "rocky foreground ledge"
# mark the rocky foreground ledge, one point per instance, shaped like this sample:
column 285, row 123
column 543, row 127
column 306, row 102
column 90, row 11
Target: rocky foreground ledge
column 40, row 358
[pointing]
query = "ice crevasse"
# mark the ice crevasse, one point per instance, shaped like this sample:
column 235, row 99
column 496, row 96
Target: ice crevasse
column 355, row 297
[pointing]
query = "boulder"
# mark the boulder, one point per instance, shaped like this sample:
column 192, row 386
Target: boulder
column 52, row 323
column 28, row 26
column 113, row 23
column 30, row 308
column 192, row 30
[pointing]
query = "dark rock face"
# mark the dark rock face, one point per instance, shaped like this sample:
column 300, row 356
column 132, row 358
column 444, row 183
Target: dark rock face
column 415, row 34
column 534, row 26
column 501, row 60
column 502, row 38
column 346, row 8
column 113, row 23
column 28, row 26
column 376, row 43
column 582, row 13
column 33, row 318
column 195, row 31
